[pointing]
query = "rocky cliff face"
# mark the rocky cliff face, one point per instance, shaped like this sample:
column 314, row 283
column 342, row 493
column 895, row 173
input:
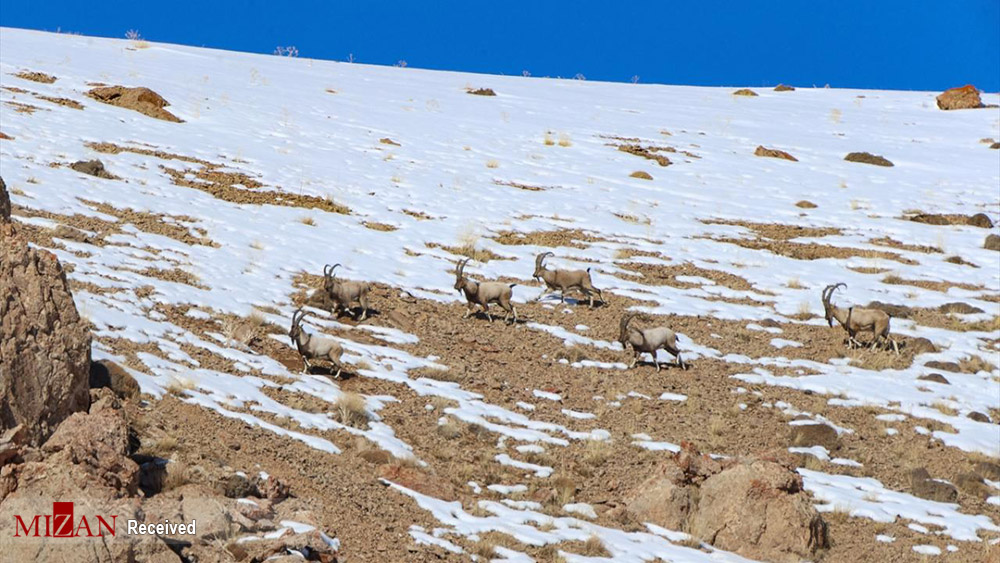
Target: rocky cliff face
column 44, row 344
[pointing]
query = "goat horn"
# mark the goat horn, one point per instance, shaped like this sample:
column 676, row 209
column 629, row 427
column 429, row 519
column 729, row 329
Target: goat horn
column 296, row 317
column 541, row 258
column 460, row 270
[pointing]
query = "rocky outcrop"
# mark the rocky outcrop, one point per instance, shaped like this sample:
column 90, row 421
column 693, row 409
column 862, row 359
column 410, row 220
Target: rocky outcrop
column 963, row 97
column 142, row 100
column 755, row 507
column 44, row 344
column 4, row 203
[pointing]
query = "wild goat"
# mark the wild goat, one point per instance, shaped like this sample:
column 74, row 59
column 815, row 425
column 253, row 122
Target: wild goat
column 856, row 319
column 344, row 294
column 484, row 293
column 313, row 347
column 648, row 340
column 564, row 280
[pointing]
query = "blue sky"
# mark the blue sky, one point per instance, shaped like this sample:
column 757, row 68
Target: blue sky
column 915, row 45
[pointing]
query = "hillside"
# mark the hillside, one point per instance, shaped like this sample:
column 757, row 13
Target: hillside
column 452, row 437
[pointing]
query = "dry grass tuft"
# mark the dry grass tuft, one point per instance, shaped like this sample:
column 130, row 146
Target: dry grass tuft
column 564, row 140
column 633, row 219
column 642, row 175
column 307, row 220
column 493, row 163
column 379, row 226
column 178, row 386
column 36, row 76
column 451, row 429
column 244, row 329
column 351, row 410
column 975, row 364
column 794, row 283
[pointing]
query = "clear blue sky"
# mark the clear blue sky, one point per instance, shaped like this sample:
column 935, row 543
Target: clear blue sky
column 916, row 44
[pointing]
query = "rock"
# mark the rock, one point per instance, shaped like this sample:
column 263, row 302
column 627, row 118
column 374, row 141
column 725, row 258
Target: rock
column 921, row 345
column 960, row 308
column 894, row 310
column 272, row 488
column 4, row 203
column 773, row 153
column 978, row 417
column 805, row 204
column 142, row 100
column 784, row 88
column 758, row 510
column 987, row 470
column 744, row 92
column 237, row 486
column 805, row 435
column 92, row 168
column 482, row 92
column 972, row 485
column 963, row 97
column 663, row 499
column 641, row 174
column 992, row 242
column 935, row 377
column 312, row 546
column 418, row 480
column 213, row 517
column 868, row 158
column 981, row 220
column 100, row 444
column 44, row 344
column 945, row 366
column 995, row 145
column 921, row 485
column 105, row 373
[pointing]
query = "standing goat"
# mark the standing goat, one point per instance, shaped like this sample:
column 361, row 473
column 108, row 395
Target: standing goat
column 564, row 280
column 484, row 293
column 344, row 294
column 856, row 319
column 313, row 347
column 648, row 340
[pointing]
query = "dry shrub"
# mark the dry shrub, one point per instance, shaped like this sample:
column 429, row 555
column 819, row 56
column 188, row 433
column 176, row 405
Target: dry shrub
column 307, row 220
column 351, row 410
column 486, row 546
column 492, row 163
column 633, row 219
column 597, row 452
column 564, row 140
column 794, row 283
column 482, row 92
column 379, row 226
column 642, row 175
column 179, row 385
column 451, row 429
column 565, row 488
column 244, row 329
column 774, row 153
column 36, row 76
column 548, row 139
column 975, row 364
column 177, row 475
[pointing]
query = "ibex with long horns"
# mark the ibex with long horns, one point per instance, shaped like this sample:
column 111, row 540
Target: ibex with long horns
column 857, row 319
column 313, row 347
column 484, row 293
column 564, row 280
column 648, row 340
column 345, row 294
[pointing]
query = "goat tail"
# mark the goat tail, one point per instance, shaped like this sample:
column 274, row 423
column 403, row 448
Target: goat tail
column 512, row 285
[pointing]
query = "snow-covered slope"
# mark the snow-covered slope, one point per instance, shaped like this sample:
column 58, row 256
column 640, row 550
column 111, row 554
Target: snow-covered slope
column 315, row 128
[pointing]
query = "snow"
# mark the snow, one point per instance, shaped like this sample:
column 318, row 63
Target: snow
column 824, row 454
column 581, row 508
column 927, row 549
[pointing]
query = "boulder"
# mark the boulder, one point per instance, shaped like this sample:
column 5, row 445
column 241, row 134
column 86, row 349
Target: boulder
column 987, row 470
column 935, row 377
column 963, row 97
column 663, row 499
column 105, row 373
column 758, row 510
column 978, row 416
column 418, row 480
column 981, row 220
column 44, row 344
column 920, row 345
column 992, row 242
column 818, row 434
column 4, row 203
column 99, row 444
column 142, row 100
column 92, row 168
column 972, row 485
column 921, row 485
column 868, row 158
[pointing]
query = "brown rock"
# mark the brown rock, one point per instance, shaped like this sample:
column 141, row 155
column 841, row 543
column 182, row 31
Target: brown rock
column 868, row 158
column 773, row 153
column 894, row 310
column 44, row 344
column 995, row 145
column 945, row 366
column 960, row 308
column 482, row 92
column 744, row 92
column 921, row 485
column 4, row 202
column 99, row 443
column 805, row 435
column 93, row 168
column 784, row 88
column 663, row 502
column 992, row 242
column 806, row 204
column 105, row 373
column 921, row 345
column 935, row 377
column 758, row 510
column 978, row 416
column 963, row 97
column 972, row 485
column 981, row 220
column 418, row 480
column 237, row 486
column 272, row 488
column 987, row 470
column 142, row 100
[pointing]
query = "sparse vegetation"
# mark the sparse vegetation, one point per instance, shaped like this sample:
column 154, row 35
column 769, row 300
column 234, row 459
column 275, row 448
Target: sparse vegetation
column 351, row 410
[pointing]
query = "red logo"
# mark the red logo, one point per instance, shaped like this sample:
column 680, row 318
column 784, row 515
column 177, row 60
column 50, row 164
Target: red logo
column 61, row 524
